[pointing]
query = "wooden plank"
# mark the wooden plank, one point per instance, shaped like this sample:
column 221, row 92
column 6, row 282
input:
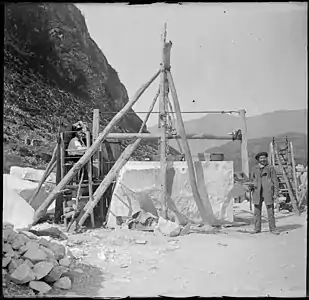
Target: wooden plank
column 244, row 143
column 294, row 203
column 187, row 151
column 163, row 132
column 110, row 177
column 84, row 159
column 90, row 187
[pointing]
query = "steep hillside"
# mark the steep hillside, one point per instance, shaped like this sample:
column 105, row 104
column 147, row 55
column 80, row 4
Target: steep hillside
column 231, row 150
column 265, row 125
column 54, row 71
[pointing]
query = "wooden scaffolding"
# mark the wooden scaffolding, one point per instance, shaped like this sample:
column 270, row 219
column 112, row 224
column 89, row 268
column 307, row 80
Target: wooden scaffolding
column 167, row 109
column 283, row 161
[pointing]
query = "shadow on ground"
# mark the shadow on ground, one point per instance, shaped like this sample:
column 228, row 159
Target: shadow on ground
column 288, row 227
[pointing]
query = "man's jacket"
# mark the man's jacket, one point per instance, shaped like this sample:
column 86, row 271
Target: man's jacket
column 266, row 180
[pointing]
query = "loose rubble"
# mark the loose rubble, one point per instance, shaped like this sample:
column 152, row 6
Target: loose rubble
column 36, row 262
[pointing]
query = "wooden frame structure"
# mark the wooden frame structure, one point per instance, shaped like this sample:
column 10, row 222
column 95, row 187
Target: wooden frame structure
column 166, row 85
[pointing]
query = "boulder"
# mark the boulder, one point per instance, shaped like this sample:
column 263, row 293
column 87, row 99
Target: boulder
column 22, row 274
column 30, row 235
column 6, row 261
column 7, row 248
column 55, row 274
column 69, row 274
column 29, row 263
column 48, row 252
column 167, row 228
column 66, row 262
column 35, row 255
column 19, row 241
column 63, row 283
column 58, row 250
column 32, row 245
column 8, row 235
column 41, row 269
column 40, row 286
column 14, row 264
column 53, row 261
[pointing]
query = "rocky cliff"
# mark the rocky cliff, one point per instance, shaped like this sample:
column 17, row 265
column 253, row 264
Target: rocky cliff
column 54, row 70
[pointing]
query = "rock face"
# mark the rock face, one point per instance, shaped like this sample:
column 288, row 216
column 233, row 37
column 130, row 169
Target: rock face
column 26, row 261
column 54, row 69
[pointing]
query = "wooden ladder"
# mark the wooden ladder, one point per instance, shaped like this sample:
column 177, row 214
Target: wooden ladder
column 75, row 184
column 284, row 163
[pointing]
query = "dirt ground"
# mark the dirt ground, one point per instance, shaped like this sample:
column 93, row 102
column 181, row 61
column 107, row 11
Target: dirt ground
column 231, row 262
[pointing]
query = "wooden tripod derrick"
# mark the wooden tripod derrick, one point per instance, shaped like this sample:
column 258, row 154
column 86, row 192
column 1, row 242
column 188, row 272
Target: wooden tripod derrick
column 165, row 111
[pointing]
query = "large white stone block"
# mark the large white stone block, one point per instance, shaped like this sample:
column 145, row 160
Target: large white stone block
column 139, row 182
column 31, row 174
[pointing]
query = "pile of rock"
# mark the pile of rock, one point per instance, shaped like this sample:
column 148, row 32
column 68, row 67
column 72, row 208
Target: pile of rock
column 42, row 264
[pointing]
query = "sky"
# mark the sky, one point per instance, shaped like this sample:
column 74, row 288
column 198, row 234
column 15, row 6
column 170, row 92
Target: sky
column 224, row 56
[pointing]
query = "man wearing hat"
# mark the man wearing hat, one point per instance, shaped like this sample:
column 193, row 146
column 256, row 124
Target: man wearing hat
column 265, row 189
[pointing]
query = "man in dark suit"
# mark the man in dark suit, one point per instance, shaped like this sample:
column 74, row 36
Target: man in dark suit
column 265, row 189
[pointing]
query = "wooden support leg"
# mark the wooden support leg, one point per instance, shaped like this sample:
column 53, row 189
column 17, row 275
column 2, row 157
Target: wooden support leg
column 187, row 151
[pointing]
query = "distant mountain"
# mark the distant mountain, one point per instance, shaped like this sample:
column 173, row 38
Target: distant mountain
column 231, row 150
column 265, row 125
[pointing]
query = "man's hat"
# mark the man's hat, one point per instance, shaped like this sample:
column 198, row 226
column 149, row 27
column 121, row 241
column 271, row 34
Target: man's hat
column 261, row 154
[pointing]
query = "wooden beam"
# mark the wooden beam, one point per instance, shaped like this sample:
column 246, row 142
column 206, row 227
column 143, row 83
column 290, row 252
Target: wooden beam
column 90, row 183
column 244, row 143
column 88, row 154
column 153, row 136
column 109, row 178
column 187, row 151
column 51, row 165
column 163, row 130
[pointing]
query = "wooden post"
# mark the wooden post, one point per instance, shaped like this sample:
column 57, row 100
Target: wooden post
column 294, row 172
column 96, row 157
column 163, row 140
column 272, row 155
column 244, row 143
column 51, row 165
column 186, row 148
column 59, row 199
column 113, row 172
column 90, row 186
column 95, row 134
column 88, row 154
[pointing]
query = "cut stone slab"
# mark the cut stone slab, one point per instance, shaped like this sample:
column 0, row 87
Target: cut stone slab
column 41, row 269
column 40, row 286
column 30, row 235
column 136, row 179
column 35, row 255
column 22, row 274
column 55, row 274
column 31, row 174
column 16, row 210
column 63, row 283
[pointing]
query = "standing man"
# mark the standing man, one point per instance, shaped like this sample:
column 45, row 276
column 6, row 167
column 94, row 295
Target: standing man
column 265, row 189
